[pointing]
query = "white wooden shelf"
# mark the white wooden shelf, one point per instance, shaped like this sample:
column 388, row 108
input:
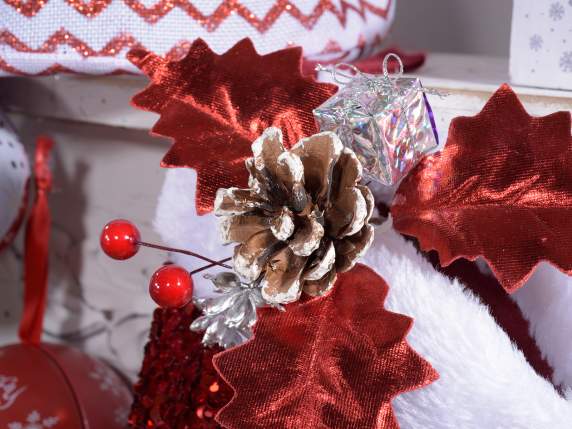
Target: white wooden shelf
column 469, row 79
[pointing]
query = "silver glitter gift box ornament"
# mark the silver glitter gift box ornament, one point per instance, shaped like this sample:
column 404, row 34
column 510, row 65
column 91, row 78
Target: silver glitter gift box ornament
column 386, row 120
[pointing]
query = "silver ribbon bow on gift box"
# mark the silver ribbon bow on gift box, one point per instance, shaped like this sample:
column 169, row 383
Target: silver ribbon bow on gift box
column 386, row 119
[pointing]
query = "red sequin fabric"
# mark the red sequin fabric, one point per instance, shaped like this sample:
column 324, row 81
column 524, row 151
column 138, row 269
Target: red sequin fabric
column 178, row 387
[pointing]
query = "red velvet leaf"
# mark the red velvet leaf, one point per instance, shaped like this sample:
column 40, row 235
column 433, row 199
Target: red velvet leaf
column 500, row 189
column 332, row 362
column 214, row 106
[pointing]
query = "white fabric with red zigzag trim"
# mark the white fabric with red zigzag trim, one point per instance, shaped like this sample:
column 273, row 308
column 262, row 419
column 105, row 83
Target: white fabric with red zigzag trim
column 39, row 37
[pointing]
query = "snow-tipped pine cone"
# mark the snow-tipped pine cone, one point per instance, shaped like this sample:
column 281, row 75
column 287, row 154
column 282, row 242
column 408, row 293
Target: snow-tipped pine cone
column 303, row 218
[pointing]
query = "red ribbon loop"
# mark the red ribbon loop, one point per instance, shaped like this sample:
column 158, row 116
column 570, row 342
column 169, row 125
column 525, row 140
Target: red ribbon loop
column 36, row 248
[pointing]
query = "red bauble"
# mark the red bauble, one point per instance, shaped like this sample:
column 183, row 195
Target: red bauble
column 49, row 385
column 120, row 239
column 171, row 286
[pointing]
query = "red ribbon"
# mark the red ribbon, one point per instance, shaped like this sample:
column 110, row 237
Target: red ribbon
column 36, row 250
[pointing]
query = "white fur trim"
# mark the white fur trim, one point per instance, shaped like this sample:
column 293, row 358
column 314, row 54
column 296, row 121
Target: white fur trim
column 179, row 225
column 546, row 302
column 484, row 381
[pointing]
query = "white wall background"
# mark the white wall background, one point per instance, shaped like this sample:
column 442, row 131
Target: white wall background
column 465, row 26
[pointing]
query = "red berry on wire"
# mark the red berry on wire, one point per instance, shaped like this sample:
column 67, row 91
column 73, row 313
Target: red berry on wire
column 120, row 239
column 171, row 286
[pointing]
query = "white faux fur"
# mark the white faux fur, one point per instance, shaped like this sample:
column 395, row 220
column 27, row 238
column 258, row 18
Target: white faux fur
column 484, row 381
column 179, row 225
column 546, row 302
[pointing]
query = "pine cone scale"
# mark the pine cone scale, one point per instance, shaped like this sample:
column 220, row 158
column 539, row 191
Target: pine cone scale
column 318, row 154
column 353, row 247
column 283, row 225
column 282, row 280
column 348, row 214
column 240, row 228
column 250, row 257
column 233, row 201
column 323, row 263
column 321, row 286
column 308, row 236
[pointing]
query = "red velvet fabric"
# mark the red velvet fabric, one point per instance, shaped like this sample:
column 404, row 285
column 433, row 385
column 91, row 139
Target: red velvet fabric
column 214, row 107
column 331, row 362
column 500, row 189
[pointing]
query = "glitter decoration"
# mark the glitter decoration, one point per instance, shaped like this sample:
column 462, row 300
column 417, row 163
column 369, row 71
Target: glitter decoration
column 228, row 318
column 54, row 69
column 178, row 386
column 63, row 37
column 311, row 26
column 89, row 9
column 226, row 8
column 386, row 120
column 113, row 48
column 27, row 8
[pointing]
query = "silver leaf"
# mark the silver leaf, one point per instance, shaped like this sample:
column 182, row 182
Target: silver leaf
column 228, row 318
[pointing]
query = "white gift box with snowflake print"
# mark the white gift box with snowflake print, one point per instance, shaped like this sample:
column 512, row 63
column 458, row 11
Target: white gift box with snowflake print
column 541, row 43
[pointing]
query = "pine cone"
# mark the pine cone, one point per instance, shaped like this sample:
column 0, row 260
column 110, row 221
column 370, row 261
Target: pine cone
column 303, row 219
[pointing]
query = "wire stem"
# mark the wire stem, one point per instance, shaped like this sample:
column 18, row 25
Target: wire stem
column 198, row 270
column 187, row 252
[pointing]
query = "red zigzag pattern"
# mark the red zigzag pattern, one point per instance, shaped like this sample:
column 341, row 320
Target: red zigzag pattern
column 226, row 8
column 112, row 49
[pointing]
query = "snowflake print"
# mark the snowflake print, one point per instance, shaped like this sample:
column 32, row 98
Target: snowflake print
column 35, row 421
column 566, row 62
column 121, row 415
column 536, row 42
column 556, row 11
column 106, row 378
column 9, row 391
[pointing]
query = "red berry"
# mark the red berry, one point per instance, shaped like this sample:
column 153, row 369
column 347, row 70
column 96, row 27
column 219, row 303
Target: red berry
column 120, row 239
column 171, row 286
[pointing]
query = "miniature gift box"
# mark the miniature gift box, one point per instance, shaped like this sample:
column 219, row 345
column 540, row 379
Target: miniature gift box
column 387, row 122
